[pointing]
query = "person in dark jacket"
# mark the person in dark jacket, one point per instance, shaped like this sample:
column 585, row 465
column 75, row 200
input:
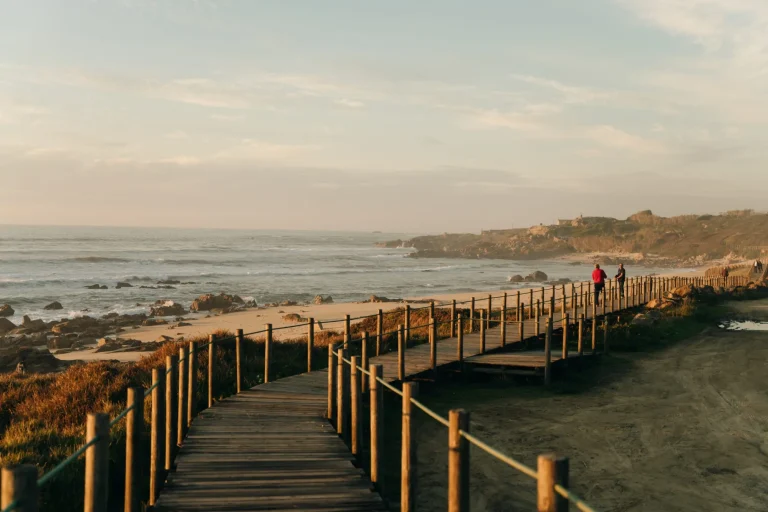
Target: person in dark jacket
column 621, row 275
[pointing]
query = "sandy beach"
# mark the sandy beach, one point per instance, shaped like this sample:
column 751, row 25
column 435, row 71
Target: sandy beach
column 329, row 316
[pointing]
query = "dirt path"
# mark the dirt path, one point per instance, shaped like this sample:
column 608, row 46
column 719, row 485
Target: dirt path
column 679, row 430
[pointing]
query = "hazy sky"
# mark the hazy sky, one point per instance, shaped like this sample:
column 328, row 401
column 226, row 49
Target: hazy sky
column 399, row 115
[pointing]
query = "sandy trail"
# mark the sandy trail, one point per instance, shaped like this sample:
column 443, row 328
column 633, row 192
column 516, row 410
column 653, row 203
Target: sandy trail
column 679, row 430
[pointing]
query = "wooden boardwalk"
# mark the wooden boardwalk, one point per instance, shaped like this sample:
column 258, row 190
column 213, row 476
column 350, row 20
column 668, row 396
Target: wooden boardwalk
column 271, row 447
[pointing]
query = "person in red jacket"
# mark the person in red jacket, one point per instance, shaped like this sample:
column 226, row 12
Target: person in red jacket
column 598, row 278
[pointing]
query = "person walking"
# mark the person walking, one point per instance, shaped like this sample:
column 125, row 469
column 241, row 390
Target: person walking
column 598, row 279
column 621, row 275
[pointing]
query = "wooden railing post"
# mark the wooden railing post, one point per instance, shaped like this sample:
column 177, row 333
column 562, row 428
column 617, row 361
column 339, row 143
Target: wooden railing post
column 581, row 335
column 310, row 342
column 156, row 438
column 191, row 383
column 377, row 418
column 432, row 309
column 331, row 408
column 548, row 353
column 364, row 363
column 551, row 470
column 482, row 330
column 171, row 409
column 239, row 360
column 400, row 353
column 379, row 331
column 517, row 306
column 530, row 303
column 342, row 394
column 460, row 342
column 458, row 461
column 566, row 320
column 433, row 344
column 19, row 485
column 268, row 351
column 408, row 450
column 453, row 318
column 347, row 328
column 354, row 399
column 211, row 357
column 537, row 322
column 134, row 422
column 490, row 311
column 96, row 464
column 471, row 316
column 503, row 320
column 407, row 323
column 521, row 328
column 181, row 427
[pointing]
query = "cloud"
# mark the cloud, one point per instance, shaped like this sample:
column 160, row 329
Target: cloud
column 350, row 103
column 612, row 137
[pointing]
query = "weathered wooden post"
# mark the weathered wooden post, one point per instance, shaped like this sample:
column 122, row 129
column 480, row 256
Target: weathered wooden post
column 521, row 327
column 331, row 407
column 458, row 461
column 181, row 427
column 433, row 345
column 96, row 465
column 401, row 352
column 211, row 348
column 503, row 321
column 490, row 312
column 531, row 303
column 407, row 323
column 191, row 383
column 537, row 322
column 551, row 470
column 171, row 408
column 377, row 418
column 354, row 388
column 347, row 328
column 134, row 422
column 268, row 351
column 239, row 359
column 408, row 450
column 581, row 334
column 460, row 343
column 364, row 364
column 574, row 302
column 432, row 309
column 156, row 438
column 482, row 331
column 517, row 306
column 19, row 486
column 581, row 293
column 566, row 319
column 379, row 331
column 453, row 318
column 342, row 394
column 548, row 353
column 310, row 345
column 472, row 316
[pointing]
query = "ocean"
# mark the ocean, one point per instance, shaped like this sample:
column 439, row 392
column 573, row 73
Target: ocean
column 40, row 264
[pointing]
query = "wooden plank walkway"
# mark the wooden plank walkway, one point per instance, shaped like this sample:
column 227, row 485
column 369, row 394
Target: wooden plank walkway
column 521, row 359
column 271, row 448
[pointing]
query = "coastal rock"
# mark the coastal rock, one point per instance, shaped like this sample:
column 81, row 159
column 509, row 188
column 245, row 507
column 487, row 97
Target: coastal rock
column 684, row 291
column 169, row 281
column 209, row 301
column 96, row 287
column 75, row 325
column 33, row 325
column 294, row 317
column 35, row 361
column 6, row 325
column 319, row 299
column 641, row 319
column 286, row 303
column 6, row 310
column 251, row 304
column 517, row 278
column 54, row 306
column 167, row 308
column 123, row 285
column 164, row 339
column 59, row 343
column 376, row 298
column 149, row 322
column 537, row 277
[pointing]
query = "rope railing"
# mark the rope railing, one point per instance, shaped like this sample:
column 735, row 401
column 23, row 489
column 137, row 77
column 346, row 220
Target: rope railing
column 636, row 291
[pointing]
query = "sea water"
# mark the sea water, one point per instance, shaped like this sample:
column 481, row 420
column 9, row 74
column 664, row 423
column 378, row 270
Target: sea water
column 39, row 265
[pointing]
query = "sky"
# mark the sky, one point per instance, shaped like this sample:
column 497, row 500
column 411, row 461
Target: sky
column 417, row 116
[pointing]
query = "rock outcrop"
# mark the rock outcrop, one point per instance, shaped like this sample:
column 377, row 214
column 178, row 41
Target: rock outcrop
column 6, row 325
column 97, row 287
column 54, row 306
column 123, row 285
column 6, row 310
column 319, row 299
column 167, row 308
column 210, row 302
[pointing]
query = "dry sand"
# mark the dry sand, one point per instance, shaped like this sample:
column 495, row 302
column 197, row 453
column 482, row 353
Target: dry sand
column 683, row 429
